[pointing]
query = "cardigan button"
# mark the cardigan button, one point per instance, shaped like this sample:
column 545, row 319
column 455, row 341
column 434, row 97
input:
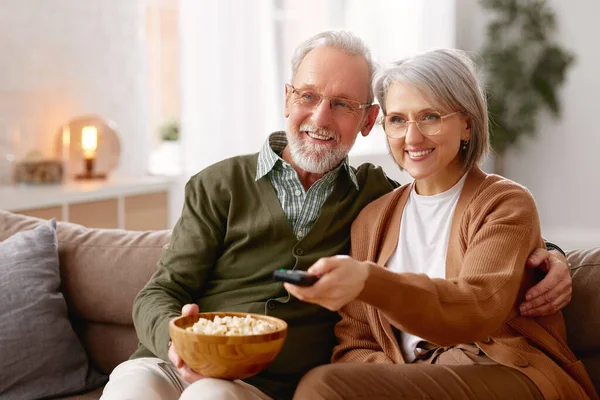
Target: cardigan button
column 299, row 251
column 271, row 305
column 521, row 363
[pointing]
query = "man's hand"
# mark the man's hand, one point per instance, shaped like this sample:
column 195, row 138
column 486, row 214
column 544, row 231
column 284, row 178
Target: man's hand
column 186, row 372
column 553, row 293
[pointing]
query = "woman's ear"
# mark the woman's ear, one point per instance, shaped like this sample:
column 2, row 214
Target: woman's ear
column 467, row 130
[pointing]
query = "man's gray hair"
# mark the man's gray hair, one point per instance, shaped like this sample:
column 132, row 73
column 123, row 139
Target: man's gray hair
column 346, row 41
column 450, row 79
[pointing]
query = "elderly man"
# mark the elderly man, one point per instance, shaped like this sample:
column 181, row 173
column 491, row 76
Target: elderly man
column 284, row 207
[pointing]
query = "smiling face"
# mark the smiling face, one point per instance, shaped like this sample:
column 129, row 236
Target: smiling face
column 432, row 160
column 320, row 136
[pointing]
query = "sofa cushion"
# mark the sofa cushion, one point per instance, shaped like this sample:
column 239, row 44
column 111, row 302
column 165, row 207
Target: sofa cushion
column 102, row 270
column 97, row 338
column 41, row 355
column 591, row 361
column 582, row 315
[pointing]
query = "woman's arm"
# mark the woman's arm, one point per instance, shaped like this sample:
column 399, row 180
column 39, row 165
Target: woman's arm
column 496, row 241
column 356, row 341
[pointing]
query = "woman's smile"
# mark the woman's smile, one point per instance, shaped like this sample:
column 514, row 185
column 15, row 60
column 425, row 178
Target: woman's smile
column 418, row 154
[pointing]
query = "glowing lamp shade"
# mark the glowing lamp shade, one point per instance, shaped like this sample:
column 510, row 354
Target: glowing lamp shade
column 89, row 141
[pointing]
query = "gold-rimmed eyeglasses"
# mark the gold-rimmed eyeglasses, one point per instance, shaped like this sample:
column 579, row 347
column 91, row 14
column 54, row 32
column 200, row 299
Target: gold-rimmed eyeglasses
column 310, row 99
column 429, row 123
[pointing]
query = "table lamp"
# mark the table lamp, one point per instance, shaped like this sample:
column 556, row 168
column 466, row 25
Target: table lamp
column 89, row 145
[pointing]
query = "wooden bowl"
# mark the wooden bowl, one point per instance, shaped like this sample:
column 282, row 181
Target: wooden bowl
column 226, row 357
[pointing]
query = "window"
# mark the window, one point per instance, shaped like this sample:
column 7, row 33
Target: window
column 236, row 55
column 392, row 29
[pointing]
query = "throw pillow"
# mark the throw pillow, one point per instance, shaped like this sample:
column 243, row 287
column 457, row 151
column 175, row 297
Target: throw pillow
column 41, row 354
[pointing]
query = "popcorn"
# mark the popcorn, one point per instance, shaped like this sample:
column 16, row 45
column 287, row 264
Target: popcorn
column 232, row 326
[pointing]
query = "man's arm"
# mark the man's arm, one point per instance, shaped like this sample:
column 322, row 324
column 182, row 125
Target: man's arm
column 184, row 268
column 553, row 293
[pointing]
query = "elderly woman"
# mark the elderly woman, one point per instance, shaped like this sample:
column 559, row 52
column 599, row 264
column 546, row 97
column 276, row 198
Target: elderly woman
column 430, row 292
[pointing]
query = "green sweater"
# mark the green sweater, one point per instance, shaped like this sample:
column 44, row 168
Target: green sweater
column 231, row 236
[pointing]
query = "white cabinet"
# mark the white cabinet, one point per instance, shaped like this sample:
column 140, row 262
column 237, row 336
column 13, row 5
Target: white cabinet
column 132, row 203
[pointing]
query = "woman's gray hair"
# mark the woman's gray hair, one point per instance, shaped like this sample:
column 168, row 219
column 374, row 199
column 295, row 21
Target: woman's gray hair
column 346, row 41
column 449, row 76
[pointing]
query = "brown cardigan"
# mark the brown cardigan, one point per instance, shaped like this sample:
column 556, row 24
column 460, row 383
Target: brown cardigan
column 494, row 229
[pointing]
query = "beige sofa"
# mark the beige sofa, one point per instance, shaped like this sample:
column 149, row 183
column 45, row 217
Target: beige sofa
column 101, row 273
column 103, row 270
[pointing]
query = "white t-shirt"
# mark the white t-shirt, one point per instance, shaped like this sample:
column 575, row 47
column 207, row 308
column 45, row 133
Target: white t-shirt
column 423, row 243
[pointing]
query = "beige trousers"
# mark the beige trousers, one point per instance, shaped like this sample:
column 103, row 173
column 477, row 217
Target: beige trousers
column 154, row 379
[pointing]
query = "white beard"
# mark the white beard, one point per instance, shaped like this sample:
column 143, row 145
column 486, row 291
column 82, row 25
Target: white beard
column 315, row 158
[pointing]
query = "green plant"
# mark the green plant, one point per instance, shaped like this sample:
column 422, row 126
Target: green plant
column 524, row 69
column 169, row 130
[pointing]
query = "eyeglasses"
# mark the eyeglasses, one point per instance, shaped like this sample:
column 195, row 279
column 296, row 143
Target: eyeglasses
column 309, row 100
column 429, row 123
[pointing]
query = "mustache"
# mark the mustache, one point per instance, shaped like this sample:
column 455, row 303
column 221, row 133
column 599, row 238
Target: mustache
column 317, row 129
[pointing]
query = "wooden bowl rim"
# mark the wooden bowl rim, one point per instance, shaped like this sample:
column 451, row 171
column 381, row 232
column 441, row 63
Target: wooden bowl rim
column 282, row 325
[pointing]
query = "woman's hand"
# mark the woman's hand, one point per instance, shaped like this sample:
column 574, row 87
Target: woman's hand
column 342, row 280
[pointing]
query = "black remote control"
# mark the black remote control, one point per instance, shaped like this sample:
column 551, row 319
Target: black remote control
column 297, row 277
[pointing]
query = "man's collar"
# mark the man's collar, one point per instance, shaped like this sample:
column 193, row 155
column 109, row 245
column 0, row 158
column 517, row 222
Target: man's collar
column 271, row 152
column 351, row 174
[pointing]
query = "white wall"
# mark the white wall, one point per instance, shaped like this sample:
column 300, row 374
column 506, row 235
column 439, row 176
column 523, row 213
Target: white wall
column 227, row 87
column 560, row 166
column 231, row 49
column 64, row 58
column 425, row 25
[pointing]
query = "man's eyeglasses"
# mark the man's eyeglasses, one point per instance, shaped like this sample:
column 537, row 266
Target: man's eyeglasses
column 310, row 99
column 429, row 123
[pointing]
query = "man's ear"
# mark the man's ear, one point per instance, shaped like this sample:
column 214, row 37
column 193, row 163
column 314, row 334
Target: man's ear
column 286, row 105
column 372, row 114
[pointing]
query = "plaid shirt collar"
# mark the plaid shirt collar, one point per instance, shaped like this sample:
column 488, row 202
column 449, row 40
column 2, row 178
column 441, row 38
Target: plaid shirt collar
column 270, row 155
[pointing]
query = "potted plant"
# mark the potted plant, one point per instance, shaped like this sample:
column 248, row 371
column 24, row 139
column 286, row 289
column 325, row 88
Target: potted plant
column 167, row 158
column 169, row 130
column 524, row 68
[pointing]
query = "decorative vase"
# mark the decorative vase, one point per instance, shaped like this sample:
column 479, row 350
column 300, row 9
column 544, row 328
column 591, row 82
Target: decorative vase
column 166, row 159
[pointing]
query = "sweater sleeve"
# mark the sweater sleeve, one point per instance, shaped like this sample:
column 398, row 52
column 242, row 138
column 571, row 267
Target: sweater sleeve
column 497, row 237
column 356, row 341
column 183, row 269
column 354, row 331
